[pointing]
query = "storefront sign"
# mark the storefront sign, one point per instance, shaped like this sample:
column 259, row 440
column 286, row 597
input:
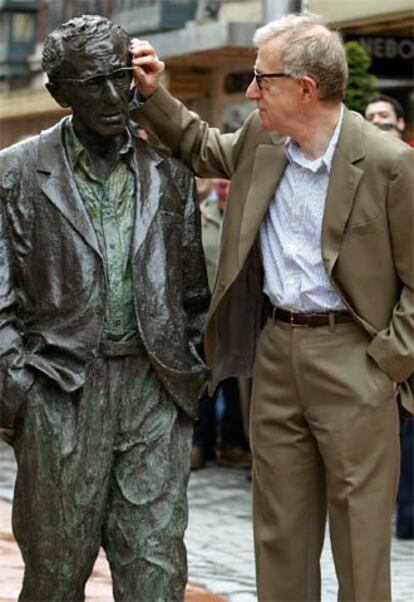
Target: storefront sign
column 391, row 56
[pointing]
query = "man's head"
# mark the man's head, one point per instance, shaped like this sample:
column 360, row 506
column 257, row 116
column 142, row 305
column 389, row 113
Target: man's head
column 306, row 65
column 87, row 64
column 385, row 109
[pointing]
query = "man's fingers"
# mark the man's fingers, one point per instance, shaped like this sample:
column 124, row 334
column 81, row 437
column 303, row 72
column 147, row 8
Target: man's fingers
column 140, row 48
column 148, row 64
column 144, row 56
column 148, row 67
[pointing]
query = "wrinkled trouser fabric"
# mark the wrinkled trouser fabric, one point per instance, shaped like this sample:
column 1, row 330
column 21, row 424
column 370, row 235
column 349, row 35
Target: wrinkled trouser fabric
column 324, row 437
column 107, row 465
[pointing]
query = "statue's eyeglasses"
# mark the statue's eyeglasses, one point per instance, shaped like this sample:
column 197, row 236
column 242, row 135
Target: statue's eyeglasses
column 120, row 78
column 259, row 77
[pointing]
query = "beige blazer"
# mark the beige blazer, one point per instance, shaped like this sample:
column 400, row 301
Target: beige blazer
column 367, row 232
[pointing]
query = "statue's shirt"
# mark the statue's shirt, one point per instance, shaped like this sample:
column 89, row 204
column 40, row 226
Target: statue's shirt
column 110, row 205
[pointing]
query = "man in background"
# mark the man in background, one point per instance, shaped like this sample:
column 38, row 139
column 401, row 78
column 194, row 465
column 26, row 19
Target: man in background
column 385, row 110
column 219, row 431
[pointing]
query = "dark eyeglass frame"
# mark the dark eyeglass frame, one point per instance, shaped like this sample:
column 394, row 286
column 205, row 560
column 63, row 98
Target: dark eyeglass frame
column 98, row 79
column 259, row 77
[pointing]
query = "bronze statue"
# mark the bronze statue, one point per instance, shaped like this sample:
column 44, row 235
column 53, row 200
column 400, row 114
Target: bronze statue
column 103, row 294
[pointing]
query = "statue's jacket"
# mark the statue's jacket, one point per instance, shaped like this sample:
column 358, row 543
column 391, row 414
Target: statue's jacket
column 52, row 277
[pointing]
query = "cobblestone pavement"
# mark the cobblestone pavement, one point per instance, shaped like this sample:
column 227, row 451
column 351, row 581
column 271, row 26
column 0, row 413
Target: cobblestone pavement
column 219, row 537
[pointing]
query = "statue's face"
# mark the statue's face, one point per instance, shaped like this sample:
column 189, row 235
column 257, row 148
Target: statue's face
column 96, row 83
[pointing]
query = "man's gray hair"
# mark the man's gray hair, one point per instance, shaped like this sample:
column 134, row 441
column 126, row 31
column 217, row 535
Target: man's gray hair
column 75, row 35
column 309, row 48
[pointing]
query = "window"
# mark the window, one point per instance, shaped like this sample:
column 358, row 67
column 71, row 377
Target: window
column 22, row 27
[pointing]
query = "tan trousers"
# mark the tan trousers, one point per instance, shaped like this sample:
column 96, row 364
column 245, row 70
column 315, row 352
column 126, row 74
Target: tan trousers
column 324, row 437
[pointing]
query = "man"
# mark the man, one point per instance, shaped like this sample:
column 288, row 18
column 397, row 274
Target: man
column 102, row 297
column 385, row 109
column 317, row 235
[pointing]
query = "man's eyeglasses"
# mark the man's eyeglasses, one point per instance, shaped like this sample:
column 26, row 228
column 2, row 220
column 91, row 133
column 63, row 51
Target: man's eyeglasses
column 259, row 77
column 120, row 78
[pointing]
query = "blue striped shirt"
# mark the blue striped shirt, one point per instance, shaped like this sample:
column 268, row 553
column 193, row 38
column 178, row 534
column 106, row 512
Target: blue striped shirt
column 294, row 273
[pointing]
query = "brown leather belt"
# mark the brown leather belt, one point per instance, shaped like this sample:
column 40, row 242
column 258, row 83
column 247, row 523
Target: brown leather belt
column 311, row 319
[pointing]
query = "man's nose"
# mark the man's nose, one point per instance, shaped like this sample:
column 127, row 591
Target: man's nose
column 253, row 92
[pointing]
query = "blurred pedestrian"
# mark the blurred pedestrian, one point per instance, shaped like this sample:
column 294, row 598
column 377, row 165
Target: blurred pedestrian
column 218, row 432
column 314, row 291
column 383, row 109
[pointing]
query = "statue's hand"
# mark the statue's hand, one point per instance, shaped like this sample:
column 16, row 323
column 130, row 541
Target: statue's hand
column 148, row 67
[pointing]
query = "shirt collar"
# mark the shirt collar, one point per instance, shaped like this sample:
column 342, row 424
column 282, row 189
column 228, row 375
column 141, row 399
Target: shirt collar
column 77, row 153
column 295, row 154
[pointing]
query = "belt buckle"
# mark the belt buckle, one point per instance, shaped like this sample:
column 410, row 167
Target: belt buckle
column 296, row 324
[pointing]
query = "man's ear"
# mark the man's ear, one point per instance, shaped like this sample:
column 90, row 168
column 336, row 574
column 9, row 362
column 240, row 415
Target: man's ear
column 309, row 87
column 401, row 124
column 58, row 94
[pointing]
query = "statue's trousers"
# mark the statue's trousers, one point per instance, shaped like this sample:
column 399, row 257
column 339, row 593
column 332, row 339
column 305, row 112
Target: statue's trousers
column 105, row 466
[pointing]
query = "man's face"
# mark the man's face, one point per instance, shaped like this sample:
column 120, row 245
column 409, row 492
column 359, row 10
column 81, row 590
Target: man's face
column 278, row 100
column 99, row 106
column 383, row 112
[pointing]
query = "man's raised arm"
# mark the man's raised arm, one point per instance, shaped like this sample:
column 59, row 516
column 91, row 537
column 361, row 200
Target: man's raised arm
column 204, row 149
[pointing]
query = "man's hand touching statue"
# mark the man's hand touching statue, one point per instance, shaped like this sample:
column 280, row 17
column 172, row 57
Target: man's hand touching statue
column 148, row 67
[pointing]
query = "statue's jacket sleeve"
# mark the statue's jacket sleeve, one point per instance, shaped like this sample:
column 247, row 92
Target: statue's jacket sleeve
column 52, row 276
column 15, row 378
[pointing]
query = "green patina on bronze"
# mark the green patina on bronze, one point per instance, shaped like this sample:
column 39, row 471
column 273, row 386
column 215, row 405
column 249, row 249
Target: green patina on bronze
column 115, row 461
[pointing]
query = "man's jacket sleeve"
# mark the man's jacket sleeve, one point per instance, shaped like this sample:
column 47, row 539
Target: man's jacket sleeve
column 393, row 348
column 202, row 148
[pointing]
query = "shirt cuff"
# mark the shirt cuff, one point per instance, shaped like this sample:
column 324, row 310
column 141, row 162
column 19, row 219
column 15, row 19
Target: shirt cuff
column 136, row 100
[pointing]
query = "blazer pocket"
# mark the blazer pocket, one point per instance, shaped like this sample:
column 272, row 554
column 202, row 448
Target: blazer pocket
column 363, row 228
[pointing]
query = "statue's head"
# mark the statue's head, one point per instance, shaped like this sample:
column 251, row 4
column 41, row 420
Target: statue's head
column 88, row 67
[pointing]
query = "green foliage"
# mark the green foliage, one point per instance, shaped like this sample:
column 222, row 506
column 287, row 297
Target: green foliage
column 361, row 85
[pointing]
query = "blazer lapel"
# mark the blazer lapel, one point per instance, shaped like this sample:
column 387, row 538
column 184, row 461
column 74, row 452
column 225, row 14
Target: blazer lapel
column 343, row 183
column 269, row 165
column 148, row 194
column 56, row 181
